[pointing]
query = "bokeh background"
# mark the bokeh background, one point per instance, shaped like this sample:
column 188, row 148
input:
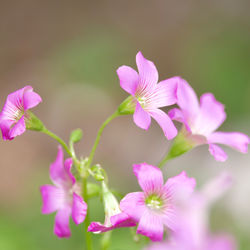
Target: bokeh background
column 69, row 52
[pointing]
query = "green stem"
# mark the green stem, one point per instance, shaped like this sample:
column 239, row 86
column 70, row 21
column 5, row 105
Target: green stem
column 164, row 161
column 92, row 153
column 88, row 238
column 58, row 139
column 63, row 144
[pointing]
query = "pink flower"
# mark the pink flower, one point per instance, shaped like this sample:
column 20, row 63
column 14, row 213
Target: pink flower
column 14, row 113
column 193, row 228
column 62, row 196
column 148, row 95
column 201, row 121
column 156, row 206
column 114, row 218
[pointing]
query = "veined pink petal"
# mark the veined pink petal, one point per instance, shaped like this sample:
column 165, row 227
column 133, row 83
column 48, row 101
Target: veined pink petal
column 5, row 126
column 141, row 117
column 187, row 99
column 180, row 186
column 217, row 152
column 79, row 209
column 165, row 123
column 149, row 177
column 148, row 74
column 164, row 93
column 53, row 198
column 58, row 173
column 170, row 217
column 129, row 79
column 211, row 115
column 151, row 225
column 16, row 98
column 30, row 99
column 236, row 140
column 18, row 129
column 61, row 227
column 133, row 204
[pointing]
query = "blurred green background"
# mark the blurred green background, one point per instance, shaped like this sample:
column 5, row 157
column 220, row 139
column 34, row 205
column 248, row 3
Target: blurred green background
column 69, row 52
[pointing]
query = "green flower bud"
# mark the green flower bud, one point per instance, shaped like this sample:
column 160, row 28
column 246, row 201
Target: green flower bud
column 76, row 135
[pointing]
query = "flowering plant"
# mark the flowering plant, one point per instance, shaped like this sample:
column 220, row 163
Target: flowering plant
column 175, row 214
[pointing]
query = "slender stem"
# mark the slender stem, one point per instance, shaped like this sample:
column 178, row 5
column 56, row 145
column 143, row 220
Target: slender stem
column 164, row 161
column 58, row 139
column 64, row 145
column 92, row 153
column 88, row 238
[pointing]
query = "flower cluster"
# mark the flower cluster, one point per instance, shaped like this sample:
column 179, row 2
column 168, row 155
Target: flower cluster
column 174, row 207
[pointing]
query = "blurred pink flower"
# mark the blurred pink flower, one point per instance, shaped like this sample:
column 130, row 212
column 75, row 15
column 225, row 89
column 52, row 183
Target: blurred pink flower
column 12, row 117
column 201, row 121
column 193, row 221
column 62, row 196
column 148, row 95
column 114, row 218
column 156, row 206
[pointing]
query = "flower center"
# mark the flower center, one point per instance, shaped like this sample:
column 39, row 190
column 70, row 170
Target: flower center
column 154, row 202
column 18, row 114
column 142, row 101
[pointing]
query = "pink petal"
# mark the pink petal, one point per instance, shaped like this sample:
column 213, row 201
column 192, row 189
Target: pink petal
column 53, row 198
column 117, row 221
column 18, row 129
column 148, row 74
column 217, row 152
column 129, row 79
column 122, row 220
column 164, row 93
column 151, row 225
column 5, row 126
column 187, row 99
column 58, row 173
column 177, row 115
column 141, row 117
column 216, row 188
column 133, row 204
column 170, row 217
column 236, row 140
column 67, row 166
column 221, row 242
column 79, row 209
column 165, row 123
column 149, row 177
column 97, row 227
column 16, row 98
column 180, row 186
column 211, row 115
column 61, row 227
column 30, row 99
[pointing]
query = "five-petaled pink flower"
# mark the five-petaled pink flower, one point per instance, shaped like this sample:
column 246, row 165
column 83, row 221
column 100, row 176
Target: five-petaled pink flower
column 193, row 215
column 13, row 115
column 201, row 121
column 114, row 218
column 148, row 95
column 63, row 196
column 156, row 206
